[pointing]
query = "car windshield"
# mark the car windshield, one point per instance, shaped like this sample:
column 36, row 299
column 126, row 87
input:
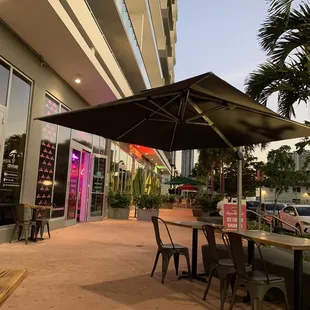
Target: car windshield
column 303, row 211
column 271, row 207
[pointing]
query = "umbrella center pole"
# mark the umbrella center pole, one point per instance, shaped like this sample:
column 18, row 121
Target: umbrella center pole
column 239, row 187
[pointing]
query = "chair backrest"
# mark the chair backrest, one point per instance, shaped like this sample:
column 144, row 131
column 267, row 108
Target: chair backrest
column 236, row 249
column 44, row 214
column 156, row 221
column 235, row 246
column 209, row 232
column 23, row 213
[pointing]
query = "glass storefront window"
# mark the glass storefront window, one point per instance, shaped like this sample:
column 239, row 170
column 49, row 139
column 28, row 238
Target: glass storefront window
column 84, row 138
column 103, row 145
column 4, row 82
column 47, row 155
column 98, row 184
column 61, row 170
column 14, row 144
column 96, row 144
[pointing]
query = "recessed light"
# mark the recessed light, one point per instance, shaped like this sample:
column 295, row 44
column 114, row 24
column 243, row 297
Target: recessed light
column 78, row 79
column 152, row 159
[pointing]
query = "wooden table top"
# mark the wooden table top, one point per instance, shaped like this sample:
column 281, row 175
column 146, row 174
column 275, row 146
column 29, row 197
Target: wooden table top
column 278, row 240
column 192, row 224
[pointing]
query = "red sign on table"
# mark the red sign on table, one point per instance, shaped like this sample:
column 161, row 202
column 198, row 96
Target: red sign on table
column 230, row 218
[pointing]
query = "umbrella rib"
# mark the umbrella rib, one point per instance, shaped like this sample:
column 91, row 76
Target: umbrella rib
column 209, row 121
column 161, row 120
column 164, row 110
column 188, row 120
column 173, row 134
column 154, row 111
column 185, row 104
column 145, row 119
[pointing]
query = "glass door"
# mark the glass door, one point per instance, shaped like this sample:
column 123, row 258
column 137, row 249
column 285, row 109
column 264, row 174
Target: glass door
column 97, row 194
column 78, row 184
column 73, row 185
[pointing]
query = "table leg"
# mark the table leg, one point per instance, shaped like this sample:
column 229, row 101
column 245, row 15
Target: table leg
column 251, row 249
column 195, row 275
column 298, row 283
column 33, row 230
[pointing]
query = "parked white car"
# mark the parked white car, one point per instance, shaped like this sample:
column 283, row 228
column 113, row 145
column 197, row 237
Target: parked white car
column 297, row 216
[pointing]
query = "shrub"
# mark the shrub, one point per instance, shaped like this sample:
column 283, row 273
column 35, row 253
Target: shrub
column 118, row 200
column 149, row 202
column 205, row 202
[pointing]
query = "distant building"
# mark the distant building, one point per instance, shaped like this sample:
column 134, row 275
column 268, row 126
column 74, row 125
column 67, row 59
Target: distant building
column 187, row 162
column 298, row 194
column 301, row 159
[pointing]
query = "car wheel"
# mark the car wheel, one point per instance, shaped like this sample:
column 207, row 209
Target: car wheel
column 299, row 228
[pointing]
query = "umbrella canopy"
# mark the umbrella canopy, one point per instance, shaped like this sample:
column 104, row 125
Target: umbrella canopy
column 188, row 187
column 183, row 180
column 200, row 112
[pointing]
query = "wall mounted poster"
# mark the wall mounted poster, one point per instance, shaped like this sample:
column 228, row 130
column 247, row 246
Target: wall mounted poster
column 47, row 156
column 230, row 217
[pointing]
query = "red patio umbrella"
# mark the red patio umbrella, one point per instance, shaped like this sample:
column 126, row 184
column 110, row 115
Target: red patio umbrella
column 188, row 187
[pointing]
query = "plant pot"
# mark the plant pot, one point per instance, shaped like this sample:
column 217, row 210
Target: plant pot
column 146, row 215
column 197, row 212
column 118, row 213
column 167, row 205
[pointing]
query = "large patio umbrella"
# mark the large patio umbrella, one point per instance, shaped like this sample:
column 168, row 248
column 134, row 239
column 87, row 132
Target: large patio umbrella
column 183, row 180
column 200, row 112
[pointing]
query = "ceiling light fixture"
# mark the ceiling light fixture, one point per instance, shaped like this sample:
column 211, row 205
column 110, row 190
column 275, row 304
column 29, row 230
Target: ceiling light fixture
column 77, row 79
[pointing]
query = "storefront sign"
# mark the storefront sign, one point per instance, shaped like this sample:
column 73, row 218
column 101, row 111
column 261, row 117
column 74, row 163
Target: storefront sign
column 135, row 152
column 230, row 217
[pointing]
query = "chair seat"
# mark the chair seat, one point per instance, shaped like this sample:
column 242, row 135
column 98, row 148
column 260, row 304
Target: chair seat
column 176, row 246
column 227, row 262
column 259, row 276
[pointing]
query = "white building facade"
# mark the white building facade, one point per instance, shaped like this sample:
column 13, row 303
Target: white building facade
column 62, row 55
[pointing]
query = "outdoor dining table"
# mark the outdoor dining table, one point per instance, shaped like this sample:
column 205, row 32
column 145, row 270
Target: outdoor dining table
column 298, row 245
column 195, row 226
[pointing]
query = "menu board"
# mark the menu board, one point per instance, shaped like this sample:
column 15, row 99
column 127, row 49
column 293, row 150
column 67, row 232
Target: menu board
column 47, row 156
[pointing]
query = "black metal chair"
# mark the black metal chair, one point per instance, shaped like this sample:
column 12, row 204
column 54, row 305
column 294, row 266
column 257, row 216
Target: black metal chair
column 168, row 250
column 258, row 283
column 224, row 268
column 24, row 222
column 42, row 220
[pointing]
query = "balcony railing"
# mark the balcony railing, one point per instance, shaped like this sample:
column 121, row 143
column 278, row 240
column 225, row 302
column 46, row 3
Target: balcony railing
column 123, row 13
column 153, row 35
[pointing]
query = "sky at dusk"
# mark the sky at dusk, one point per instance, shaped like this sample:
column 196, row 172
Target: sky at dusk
column 221, row 36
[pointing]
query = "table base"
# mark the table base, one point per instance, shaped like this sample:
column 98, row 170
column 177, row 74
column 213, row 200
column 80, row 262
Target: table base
column 199, row 277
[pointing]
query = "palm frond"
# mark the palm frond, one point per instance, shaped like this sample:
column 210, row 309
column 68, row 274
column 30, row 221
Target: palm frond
column 275, row 24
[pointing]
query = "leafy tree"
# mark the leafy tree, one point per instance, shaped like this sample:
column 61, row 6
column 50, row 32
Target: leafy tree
column 285, row 37
column 280, row 173
column 249, row 183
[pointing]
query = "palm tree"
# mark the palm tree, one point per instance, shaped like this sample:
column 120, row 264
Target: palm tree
column 285, row 37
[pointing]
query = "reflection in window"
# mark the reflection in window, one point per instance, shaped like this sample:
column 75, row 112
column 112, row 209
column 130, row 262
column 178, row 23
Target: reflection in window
column 97, row 194
column 83, row 138
column 4, row 82
column 14, row 147
column 103, row 145
column 61, row 170
column 96, row 146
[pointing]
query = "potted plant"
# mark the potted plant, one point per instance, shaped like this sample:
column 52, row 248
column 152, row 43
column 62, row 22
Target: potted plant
column 168, row 201
column 203, row 205
column 148, row 206
column 118, row 205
